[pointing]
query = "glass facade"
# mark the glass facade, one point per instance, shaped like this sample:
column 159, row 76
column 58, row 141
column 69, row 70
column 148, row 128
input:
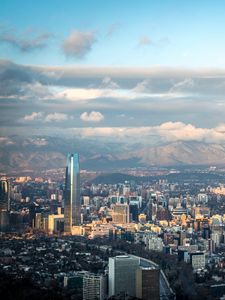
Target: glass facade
column 72, row 193
column 4, row 195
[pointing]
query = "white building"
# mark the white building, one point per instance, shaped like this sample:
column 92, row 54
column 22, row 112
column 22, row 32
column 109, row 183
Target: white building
column 216, row 237
column 197, row 260
column 155, row 244
column 94, row 287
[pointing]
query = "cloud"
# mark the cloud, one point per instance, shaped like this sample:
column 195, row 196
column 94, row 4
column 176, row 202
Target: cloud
column 187, row 84
column 163, row 41
column 16, row 79
column 166, row 132
column 94, row 116
column 41, row 117
column 78, row 44
column 78, row 94
column 147, row 135
column 145, row 41
column 108, row 83
column 143, row 86
column 37, row 141
column 57, row 117
column 156, row 94
column 33, row 117
column 6, row 141
column 24, row 42
column 112, row 29
column 186, row 132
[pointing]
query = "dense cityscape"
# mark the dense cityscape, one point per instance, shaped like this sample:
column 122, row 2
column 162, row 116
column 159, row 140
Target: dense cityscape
column 75, row 239
column 112, row 150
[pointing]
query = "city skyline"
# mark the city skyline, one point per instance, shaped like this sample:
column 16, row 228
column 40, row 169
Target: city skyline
column 127, row 69
column 112, row 149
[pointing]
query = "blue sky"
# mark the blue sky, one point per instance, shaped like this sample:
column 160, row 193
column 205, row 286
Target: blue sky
column 180, row 33
column 113, row 68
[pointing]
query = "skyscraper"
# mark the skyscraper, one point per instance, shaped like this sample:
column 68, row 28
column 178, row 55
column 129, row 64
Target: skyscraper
column 4, row 195
column 4, row 204
column 72, row 193
column 122, row 275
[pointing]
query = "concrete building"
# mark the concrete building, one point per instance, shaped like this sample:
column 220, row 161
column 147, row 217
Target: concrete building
column 155, row 244
column 55, row 223
column 147, row 283
column 197, row 260
column 94, row 287
column 216, row 237
column 41, row 222
column 120, row 213
column 122, row 275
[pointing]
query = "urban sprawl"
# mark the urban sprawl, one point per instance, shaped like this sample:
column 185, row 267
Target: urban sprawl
column 73, row 238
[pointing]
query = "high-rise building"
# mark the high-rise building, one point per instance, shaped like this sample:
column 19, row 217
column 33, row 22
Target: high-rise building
column 72, row 203
column 94, row 287
column 197, row 260
column 122, row 275
column 121, row 213
column 147, row 283
column 4, row 195
column 4, row 204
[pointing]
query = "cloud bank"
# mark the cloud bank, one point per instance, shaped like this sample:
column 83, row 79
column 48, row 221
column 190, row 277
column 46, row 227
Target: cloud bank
column 146, row 97
column 166, row 132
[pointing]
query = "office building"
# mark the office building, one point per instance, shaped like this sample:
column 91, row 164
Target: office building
column 147, row 283
column 155, row 244
column 4, row 204
column 4, row 194
column 72, row 203
column 120, row 213
column 133, row 212
column 94, row 287
column 197, row 260
column 41, row 222
column 122, row 275
column 55, row 223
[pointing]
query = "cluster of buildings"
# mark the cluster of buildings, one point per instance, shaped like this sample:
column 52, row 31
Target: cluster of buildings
column 186, row 219
column 65, row 263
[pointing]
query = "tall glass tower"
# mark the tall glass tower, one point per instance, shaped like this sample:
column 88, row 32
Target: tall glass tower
column 4, row 204
column 72, row 193
column 4, row 195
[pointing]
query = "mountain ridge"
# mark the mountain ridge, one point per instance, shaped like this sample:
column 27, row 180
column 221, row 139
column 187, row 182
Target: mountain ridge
column 46, row 153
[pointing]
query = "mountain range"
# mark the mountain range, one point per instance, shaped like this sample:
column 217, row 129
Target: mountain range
column 42, row 153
